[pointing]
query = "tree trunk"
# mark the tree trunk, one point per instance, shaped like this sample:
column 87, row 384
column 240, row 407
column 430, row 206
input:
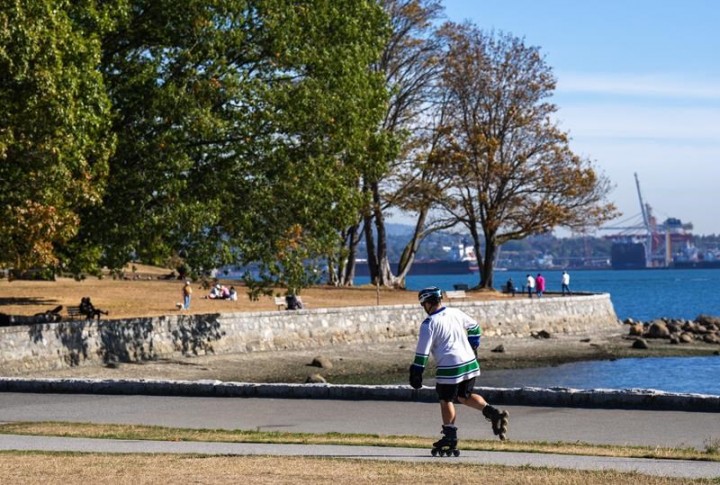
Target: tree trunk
column 478, row 254
column 353, row 237
column 386, row 277
column 411, row 249
column 489, row 263
column 372, row 256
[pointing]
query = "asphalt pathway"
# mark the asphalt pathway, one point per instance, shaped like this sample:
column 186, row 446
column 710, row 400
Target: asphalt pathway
column 598, row 426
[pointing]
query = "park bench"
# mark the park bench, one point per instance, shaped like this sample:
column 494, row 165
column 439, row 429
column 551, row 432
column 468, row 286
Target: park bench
column 74, row 311
column 456, row 295
column 281, row 302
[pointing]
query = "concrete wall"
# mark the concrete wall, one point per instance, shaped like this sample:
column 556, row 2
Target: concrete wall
column 57, row 345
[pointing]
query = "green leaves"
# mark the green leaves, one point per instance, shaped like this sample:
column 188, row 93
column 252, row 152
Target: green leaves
column 238, row 123
column 54, row 129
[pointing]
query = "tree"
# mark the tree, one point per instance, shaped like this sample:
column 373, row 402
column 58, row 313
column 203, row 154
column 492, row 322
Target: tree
column 511, row 172
column 242, row 130
column 409, row 65
column 55, row 135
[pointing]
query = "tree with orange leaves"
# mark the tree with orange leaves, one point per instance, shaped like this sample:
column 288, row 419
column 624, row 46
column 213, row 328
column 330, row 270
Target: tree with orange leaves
column 509, row 169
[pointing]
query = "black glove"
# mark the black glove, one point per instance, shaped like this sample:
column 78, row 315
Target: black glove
column 416, row 373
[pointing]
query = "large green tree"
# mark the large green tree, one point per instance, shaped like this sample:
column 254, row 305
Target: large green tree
column 242, row 128
column 510, row 170
column 55, row 135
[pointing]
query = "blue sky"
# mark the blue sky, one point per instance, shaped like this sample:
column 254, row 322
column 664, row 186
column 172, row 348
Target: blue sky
column 638, row 91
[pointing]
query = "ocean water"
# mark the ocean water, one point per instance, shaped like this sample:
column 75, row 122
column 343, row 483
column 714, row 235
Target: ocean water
column 696, row 375
column 641, row 294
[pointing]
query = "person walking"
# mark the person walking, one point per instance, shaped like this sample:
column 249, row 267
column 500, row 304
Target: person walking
column 539, row 285
column 187, row 295
column 453, row 337
column 530, row 285
column 565, row 284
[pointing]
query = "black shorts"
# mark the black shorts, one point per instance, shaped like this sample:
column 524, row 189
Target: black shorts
column 450, row 392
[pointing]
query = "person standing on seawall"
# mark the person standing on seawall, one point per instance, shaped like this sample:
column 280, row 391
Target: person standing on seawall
column 453, row 338
column 187, row 295
column 540, row 285
column 530, row 285
column 565, row 284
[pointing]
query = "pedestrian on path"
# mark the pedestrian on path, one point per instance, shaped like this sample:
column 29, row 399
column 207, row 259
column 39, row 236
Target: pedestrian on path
column 530, row 285
column 539, row 285
column 565, row 284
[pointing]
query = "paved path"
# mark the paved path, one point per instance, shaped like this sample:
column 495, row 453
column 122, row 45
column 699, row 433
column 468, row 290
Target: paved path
column 666, row 468
column 600, row 426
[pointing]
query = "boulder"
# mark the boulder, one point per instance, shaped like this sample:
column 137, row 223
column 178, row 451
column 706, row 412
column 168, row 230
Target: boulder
column 541, row 334
column 499, row 349
column 707, row 320
column 315, row 379
column 711, row 338
column 686, row 338
column 637, row 329
column 674, row 339
column 322, row 362
column 658, row 329
column 640, row 343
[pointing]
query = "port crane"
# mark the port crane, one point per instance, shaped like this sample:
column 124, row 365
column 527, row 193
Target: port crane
column 657, row 240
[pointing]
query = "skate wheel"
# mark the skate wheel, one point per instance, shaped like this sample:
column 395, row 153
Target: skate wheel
column 456, row 453
column 434, row 452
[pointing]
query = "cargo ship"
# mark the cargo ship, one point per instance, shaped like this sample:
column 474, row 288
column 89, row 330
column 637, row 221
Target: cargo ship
column 627, row 255
column 425, row 267
column 460, row 260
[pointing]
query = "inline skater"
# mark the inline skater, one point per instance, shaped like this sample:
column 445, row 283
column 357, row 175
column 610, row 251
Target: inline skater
column 453, row 338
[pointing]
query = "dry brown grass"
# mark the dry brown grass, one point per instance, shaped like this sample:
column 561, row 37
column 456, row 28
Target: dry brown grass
column 52, row 468
column 150, row 296
column 159, row 433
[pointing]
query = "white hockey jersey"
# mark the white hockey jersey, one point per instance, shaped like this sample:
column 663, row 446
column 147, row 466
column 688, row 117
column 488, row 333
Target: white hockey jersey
column 444, row 333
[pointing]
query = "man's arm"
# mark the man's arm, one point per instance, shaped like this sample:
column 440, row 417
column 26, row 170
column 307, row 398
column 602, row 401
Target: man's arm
column 474, row 332
column 422, row 353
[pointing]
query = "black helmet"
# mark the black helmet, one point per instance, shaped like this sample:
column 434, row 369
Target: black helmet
column 432, row 294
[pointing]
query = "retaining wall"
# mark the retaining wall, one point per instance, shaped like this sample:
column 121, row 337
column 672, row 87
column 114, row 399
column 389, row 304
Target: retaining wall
column 57, row 345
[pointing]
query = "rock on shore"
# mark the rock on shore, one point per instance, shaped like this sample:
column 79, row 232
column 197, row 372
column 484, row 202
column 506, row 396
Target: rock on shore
column 705, row 328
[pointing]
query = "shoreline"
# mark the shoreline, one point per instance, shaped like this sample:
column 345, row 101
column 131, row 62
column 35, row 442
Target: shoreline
column 377, row 363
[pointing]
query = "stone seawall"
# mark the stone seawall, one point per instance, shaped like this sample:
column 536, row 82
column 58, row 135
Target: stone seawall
column 67, row 344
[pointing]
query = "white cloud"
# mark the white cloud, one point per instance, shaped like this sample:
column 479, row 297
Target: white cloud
column 642, row 85
column 628, row 120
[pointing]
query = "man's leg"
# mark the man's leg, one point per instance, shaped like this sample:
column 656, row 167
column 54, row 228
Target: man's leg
column 447, row 409
column 499, row 419
column 475, row 401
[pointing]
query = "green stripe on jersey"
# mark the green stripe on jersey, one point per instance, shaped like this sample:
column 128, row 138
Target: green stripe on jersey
column 420, row 360
column 475, row 330
column 459, row 370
